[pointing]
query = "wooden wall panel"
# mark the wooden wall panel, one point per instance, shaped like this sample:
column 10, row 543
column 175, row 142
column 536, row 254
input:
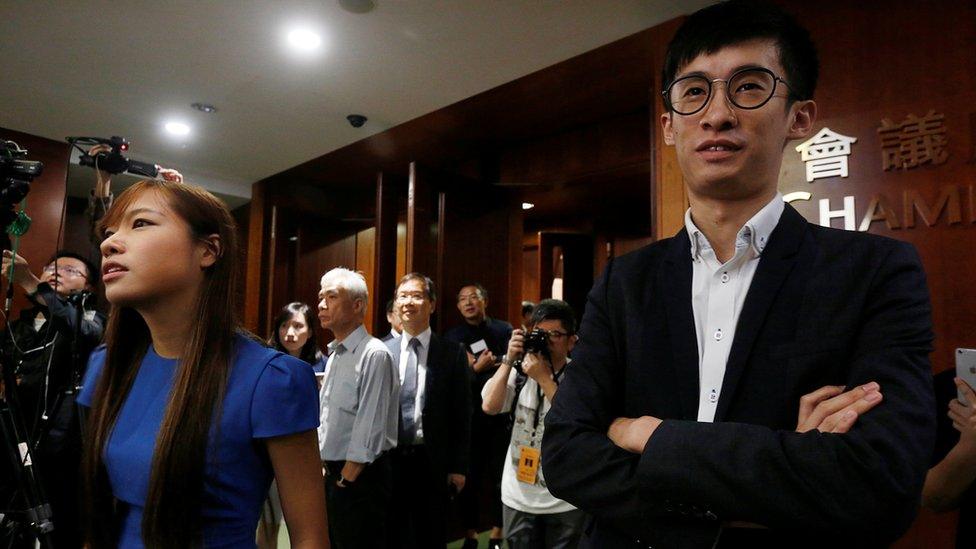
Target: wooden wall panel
column 477, row 246
column 365, row 263
column 255, row 288
column 530, row 273
column 421, row 237
column 569, row 256
column 388, row 200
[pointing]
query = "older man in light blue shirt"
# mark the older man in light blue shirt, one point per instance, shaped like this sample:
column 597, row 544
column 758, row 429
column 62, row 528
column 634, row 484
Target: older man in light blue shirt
column 359, row 412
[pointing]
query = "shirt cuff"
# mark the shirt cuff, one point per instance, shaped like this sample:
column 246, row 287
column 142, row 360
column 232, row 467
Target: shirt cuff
column 361, row 455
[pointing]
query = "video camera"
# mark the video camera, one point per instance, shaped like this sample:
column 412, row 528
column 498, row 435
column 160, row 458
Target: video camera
column 113, row 161
column 16, row 175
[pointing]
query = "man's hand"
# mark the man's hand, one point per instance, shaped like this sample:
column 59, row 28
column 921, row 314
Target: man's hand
column 484, row 361
column 103, row 179
column 456, row 480
column 632, row 434
column 537, row 368
column 516, row 345
column 23, row 277
column 831, row 410
column 963, row 416
column 170, row 174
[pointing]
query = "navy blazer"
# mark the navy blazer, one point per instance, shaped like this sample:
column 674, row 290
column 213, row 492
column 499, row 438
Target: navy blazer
column 825, row 307
column 447, row 404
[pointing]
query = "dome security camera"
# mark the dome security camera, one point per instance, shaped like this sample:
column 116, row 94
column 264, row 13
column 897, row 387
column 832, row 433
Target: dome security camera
column 356, row 120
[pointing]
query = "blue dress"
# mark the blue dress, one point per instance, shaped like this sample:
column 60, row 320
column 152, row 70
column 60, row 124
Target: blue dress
column 268, row 394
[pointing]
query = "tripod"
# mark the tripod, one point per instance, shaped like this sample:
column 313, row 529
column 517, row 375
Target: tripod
column 36, row 518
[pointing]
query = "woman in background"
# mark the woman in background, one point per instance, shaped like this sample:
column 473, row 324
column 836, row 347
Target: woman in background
column 190, row 419
column 293, row 334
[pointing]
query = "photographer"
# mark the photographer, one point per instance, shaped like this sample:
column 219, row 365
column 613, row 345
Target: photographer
column 38, row 345
column 532, row 516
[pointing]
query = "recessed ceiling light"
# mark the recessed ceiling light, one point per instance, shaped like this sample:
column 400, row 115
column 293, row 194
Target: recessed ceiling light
column 204, row 107
column 304, row 40
column 527, row 205
column 177, row 128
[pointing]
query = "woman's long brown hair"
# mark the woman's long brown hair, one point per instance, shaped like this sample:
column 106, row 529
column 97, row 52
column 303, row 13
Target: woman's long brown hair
column 173, row 505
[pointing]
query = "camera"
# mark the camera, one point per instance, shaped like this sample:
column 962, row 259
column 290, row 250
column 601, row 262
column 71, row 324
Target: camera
column 113, row 161
column 356, row 120
column 16, row 175
column 536, row 341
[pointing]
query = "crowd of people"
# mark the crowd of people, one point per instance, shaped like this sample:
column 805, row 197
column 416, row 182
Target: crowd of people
column 706, row 399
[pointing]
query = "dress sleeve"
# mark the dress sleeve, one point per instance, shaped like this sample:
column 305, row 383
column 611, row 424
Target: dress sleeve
column 92, row 374
column 286, row 399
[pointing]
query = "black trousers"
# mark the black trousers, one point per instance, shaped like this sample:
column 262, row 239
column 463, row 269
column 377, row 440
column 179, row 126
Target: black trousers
column 358, row 514
column 420, row 501
column 490, row 436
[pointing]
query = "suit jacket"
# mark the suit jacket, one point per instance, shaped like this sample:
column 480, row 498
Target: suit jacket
column 447, row 404
column 825, row 307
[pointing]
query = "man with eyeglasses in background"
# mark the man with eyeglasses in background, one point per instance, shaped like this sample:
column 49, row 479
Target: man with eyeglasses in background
column 678, row 424
column 485, row 340
column 38, row 346
column 533, row 517
column 431, row 458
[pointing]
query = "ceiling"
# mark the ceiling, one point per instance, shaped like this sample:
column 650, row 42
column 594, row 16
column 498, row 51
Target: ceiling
column 125, row 68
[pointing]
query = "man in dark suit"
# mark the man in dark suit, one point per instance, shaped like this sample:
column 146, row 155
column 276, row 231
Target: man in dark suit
column 431, row 459
column 394, row 321
column 676, row 425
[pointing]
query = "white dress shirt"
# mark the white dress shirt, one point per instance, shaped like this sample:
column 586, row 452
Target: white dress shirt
column 717, row 294
column 422, row 351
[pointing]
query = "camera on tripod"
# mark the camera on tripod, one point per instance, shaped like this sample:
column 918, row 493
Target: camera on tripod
column 16, row 175
column 113, row 162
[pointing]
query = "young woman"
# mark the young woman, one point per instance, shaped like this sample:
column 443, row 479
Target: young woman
column 190, row 419
column 293, row 334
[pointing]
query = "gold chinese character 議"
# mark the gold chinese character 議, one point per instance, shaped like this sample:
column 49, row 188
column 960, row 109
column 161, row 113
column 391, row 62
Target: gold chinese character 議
column 913, row 141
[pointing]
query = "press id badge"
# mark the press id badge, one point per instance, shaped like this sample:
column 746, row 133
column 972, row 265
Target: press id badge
column 528, row 464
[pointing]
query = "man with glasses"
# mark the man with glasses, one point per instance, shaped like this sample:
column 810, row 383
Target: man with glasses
column 38, row 345
column 485, row 340
column 430, row 461
column 533, row 517
column 677, row 425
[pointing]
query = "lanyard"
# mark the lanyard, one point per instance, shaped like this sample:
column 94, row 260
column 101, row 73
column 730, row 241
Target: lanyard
column 540, row 397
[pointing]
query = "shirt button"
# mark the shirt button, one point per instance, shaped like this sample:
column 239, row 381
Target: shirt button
column 725, row 277
column 713, row 397
column 718, row 335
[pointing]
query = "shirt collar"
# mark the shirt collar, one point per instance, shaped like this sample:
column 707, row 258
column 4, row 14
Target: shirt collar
column 424, row 339
column 755, row 233
column 351, row 340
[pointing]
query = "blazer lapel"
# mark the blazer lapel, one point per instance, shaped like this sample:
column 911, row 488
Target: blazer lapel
column 433, row 359
column 675, row 283
column 776, row 262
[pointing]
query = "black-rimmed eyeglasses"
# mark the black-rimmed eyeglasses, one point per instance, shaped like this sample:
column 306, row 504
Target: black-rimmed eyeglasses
column 746, row 89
